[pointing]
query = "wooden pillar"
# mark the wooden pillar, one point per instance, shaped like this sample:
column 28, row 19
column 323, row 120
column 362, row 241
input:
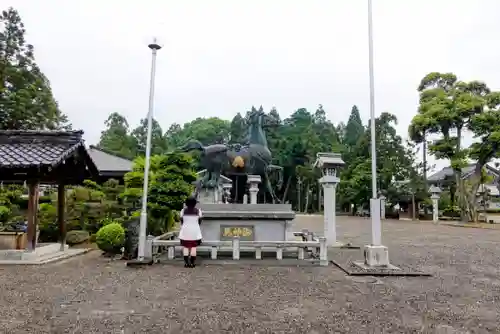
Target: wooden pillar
column 33, row 194
column 61, row 213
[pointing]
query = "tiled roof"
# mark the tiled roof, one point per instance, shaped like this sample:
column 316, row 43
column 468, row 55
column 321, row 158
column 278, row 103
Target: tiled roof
column 106, row 162
column 448, row 171
column 23, row 149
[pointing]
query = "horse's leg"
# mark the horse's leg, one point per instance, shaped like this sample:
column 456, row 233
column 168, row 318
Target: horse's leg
column 217, row 177
column 270, row 188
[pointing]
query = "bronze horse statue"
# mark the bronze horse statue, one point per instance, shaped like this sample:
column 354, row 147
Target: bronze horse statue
column 252, row 159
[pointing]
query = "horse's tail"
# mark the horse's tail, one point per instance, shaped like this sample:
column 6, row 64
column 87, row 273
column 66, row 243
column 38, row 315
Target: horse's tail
column 191, row 146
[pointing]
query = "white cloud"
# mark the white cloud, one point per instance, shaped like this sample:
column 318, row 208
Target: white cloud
column 220, row 56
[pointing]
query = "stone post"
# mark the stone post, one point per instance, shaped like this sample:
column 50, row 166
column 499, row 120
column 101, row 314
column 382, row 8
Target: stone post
column 329, row 163
column 236, row 248
column 435, row 208
column 253, row 181
column 435, row 191
column 382, row 206
column 330, row 224
column 226, row 188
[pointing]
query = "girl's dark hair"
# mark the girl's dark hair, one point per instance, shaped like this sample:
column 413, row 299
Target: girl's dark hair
column 190, row 202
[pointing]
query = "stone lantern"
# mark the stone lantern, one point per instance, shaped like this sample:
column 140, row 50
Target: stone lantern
column 253, row 183
column 226, row 190
column 482, row 192
column 329, row 163
column 435, row 195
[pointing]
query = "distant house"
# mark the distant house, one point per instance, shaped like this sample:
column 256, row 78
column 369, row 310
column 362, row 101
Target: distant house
column 441, row 178
column 446, row 173
column 110, row 166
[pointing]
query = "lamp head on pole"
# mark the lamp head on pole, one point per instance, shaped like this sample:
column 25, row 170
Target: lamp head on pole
column 154, row 46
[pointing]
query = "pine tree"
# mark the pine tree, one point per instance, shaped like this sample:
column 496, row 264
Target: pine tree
column 354, row 128
column 238, row 129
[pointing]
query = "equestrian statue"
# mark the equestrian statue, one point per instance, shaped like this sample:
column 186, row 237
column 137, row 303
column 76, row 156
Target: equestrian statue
column 252, row 158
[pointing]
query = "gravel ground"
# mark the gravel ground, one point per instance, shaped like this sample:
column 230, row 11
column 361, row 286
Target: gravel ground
column 91, row 294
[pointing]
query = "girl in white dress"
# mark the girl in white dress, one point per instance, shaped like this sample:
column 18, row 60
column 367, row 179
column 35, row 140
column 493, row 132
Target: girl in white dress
column 190, row 233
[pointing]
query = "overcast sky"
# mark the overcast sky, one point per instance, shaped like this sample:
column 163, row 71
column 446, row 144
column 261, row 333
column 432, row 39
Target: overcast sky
column 220, row 57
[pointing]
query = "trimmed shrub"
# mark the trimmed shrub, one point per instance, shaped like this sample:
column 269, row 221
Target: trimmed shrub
column 452, row 211
column 77, row 237
column 49, row 229
column 4, row 213
column 111, row 238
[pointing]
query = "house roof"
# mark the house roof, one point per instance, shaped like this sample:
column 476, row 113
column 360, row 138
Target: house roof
column 492, row 190
column 107, row 162
column 466, row 171
column 24, row 149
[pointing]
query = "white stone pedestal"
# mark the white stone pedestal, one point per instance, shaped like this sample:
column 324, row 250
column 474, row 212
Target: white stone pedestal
column 376, row 256
column 253, row 182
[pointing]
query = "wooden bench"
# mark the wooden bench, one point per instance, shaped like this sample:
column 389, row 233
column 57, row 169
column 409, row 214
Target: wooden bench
column 236, row 244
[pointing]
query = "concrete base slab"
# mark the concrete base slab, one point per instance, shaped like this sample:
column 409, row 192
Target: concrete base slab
column 364, row 266
column 48, row 257
column 139, row 263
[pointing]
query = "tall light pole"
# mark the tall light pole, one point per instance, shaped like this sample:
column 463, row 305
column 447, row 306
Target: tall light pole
column 144, row 210
column 374, row 202
column 376, row 255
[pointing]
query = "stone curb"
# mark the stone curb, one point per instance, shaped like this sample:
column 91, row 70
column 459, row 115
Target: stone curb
column 471, row 226
column 55, row 258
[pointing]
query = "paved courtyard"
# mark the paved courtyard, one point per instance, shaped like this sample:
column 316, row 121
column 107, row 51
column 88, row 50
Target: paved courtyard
column 90, row 294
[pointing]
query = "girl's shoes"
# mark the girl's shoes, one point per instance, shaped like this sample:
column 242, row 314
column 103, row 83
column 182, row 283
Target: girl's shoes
column 189, row 261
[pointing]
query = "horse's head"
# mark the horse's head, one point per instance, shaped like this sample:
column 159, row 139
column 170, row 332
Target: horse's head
column 190, row 146
column 256, row 117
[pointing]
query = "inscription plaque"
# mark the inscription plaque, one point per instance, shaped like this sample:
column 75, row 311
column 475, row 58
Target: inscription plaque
column 245, row 232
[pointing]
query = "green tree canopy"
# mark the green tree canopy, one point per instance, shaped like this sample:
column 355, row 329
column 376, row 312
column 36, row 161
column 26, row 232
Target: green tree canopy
column 116, row 138
column 158, row 142
column 26, row 100
column 448, row 108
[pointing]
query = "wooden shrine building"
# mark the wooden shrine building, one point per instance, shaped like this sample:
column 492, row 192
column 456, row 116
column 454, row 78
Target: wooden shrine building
column 44, row 157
